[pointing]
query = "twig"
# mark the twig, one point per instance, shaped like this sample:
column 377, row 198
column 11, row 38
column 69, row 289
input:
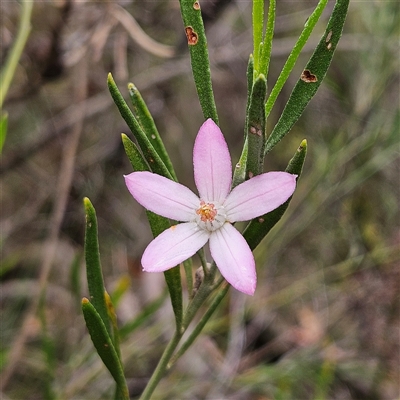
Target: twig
column 139, row 35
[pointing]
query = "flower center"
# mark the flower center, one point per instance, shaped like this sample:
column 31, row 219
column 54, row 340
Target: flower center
column 210, row 216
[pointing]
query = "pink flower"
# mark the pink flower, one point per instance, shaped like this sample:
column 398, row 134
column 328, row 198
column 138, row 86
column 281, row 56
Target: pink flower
column 209, row 217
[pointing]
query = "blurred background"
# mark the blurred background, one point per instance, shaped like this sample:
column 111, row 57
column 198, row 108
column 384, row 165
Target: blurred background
column 324, row 322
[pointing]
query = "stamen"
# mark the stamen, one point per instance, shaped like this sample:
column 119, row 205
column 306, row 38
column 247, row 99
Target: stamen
column 210, row 216
column 207, row 211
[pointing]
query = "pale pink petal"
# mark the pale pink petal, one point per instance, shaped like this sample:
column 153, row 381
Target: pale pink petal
column 162, row 196
column 173, row 246
column 259, row 195
column 234, row 258
column 212, row 163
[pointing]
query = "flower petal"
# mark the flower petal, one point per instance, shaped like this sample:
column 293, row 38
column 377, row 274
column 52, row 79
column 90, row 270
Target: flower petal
column 234, row 258
column 212, row 163
column 173, row 246
column 259, row 195
column 162, row 196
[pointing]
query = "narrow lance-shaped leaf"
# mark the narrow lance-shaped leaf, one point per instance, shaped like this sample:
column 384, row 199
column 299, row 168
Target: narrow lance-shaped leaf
column 294, row 54
column 150, row 154
column 93, row 264
column 259, row 227
column 258, row 28
column 249, row 74
column 9, row 66
column 158, row 224
column 197, row 42
column 112, row 315
column 312, row 76
column 146, row 121
column 104, row 346
column 239, row 173
column 256, row 127
column 267, row 42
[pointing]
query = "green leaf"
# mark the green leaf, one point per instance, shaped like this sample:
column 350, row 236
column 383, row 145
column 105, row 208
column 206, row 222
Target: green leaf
column 172, row 276
column 239, row 173
column 158, row 225
column 294, row 54
column 188, row 267
column 146, row 121
column 308, row 84
column 197, row 42
column 104, row 346
column 256, row 128
column 14, row 54
column 267, row 42
column 259, row 227
column 3, row 129
column 93, row 264
column 220, row 294
column 134, row 155
column 149, row 152
column 112, row 315
column 258, row 28
column 250, row 78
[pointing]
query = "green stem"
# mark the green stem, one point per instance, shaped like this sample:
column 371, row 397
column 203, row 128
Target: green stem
column 161, row 367
column 203, row 261
column 11, row 64
column 291, row 61
column 199, row 327
column 204, row 291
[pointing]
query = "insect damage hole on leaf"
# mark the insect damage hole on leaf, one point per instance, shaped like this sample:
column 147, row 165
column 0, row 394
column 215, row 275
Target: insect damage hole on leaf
column 308, row 77
column 196, row 5
column 191, row 35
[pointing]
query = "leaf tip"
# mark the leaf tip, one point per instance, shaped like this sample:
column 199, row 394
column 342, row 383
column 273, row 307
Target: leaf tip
column 87, row 203
column 303, row 145
column 132, row 87
column 85, row 301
